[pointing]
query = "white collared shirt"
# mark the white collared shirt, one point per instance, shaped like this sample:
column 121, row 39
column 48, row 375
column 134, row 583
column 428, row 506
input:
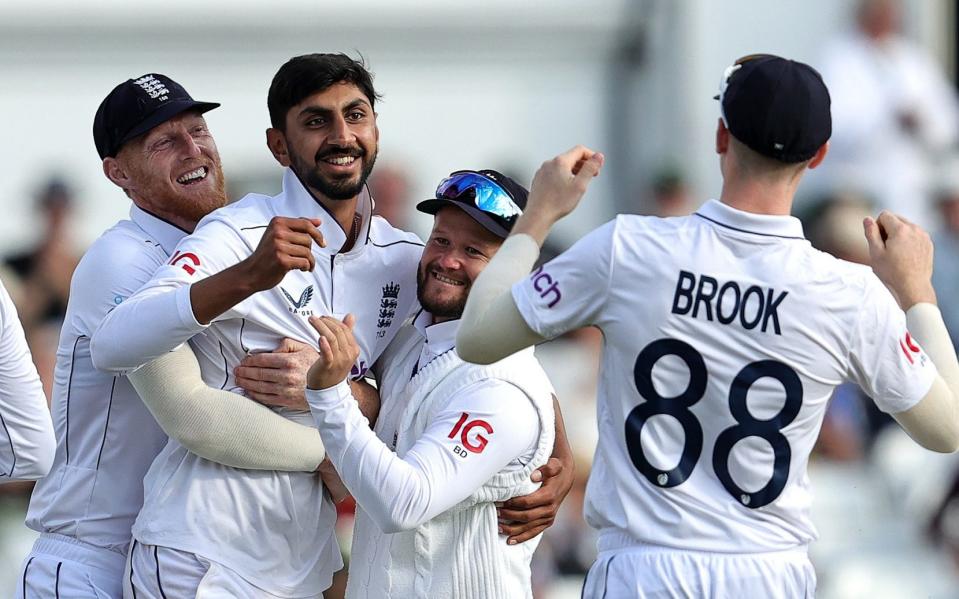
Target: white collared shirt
column 26, row 431
column 106, row 437
column 273, row 528
column 698, row 314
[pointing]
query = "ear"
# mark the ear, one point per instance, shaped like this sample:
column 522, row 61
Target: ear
column 376, row 129
column 276, row 141
column 115, row 172
column 722, row 137
column 819, row 156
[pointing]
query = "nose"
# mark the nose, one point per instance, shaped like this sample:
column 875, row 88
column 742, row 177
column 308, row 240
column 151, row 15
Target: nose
column 190, row 147
column 340, row 133
column 449, row 260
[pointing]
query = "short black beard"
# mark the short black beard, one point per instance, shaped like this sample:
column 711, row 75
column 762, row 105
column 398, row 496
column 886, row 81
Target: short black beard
column 443, row 310
column 334, row 189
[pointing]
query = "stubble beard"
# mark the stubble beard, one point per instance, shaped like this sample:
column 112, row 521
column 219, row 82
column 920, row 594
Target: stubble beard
column 444, row 309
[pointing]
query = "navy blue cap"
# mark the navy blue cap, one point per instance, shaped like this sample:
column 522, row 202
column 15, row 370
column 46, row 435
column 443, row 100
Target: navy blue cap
column 777, row 107
column 138, row 105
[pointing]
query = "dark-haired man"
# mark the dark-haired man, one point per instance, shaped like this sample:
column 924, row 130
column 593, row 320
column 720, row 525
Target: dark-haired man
column 725, row 334
column 251, row 275
column 154, row 144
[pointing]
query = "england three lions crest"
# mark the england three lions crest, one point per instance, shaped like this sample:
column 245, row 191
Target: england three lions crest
column 388, row 305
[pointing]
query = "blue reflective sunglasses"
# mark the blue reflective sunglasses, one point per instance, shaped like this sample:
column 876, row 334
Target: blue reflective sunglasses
column 486, row 194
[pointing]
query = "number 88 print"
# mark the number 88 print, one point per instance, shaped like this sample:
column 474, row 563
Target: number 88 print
column 746, row 424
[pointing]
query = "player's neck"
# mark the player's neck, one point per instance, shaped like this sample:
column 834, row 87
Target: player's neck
column 750, row 195
column 343, row 211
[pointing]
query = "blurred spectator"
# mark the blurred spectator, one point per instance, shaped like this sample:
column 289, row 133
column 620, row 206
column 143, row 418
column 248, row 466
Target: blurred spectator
column 390, row 187
column 892, row 110
column 945, row 274
column 670, row 194
column 44, row 270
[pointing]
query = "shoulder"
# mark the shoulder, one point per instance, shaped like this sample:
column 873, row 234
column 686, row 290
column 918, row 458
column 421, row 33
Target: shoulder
column 384, row 235
column 120, row 248
column 251, row 210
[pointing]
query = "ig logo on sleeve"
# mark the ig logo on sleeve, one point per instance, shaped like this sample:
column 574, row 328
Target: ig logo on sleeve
column 472, row 442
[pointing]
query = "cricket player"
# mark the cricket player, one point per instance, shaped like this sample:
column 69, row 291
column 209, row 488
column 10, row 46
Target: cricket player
column 26, row 431
column 452, row 438
column 250, row 275
column 155, row 145
column 725, row 333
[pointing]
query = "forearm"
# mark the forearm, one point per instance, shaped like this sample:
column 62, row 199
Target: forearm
column 214, row 295
column 368, row 398
column 491, row 327
column 27, row 441
column 934, row 421
column 397, row 493
column 561, row 448
column 220, row 426
column 143, row 328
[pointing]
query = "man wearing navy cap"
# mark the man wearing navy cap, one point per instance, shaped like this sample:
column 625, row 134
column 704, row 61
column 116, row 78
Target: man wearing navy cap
column 725, row 335
column 452, row 438
column 155, row 145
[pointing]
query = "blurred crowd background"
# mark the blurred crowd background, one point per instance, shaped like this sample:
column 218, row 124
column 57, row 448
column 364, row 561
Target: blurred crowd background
column 506, row 85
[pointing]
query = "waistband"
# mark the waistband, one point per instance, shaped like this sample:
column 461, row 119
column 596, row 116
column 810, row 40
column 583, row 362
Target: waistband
column 68, row 548
column 616, row 540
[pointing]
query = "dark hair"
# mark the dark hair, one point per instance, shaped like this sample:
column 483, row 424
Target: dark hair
column 303, row 76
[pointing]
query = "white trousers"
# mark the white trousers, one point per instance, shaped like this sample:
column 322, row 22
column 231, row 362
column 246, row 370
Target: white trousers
column 649, row 572
column 59, row 567
column 155, row 572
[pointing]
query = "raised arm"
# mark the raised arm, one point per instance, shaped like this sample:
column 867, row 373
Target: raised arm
column 219, row 425
column 901, row 255
column 210, row 273
column 492, row 327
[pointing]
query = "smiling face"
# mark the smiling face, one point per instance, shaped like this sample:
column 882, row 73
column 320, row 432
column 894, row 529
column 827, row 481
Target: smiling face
column 458, row 250
column 172, row 171
column 330, row 141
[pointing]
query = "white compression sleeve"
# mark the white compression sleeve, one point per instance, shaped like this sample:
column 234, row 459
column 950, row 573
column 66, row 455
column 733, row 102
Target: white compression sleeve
column 934, row 421
column 220, row 426
column 492, row 327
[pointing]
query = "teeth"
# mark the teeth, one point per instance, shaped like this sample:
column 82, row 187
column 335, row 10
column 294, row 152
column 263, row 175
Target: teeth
column 193, row 175
column 341, row 160
column 446, row 280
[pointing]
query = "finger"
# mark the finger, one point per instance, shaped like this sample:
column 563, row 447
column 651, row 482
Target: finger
column 552, row 467
column 326, row 333
column 326, row 351
column 268, row 399
column 572, row 156
column 339, row 329
column 873, row 236
column 529, row 515
column 889, row 221
column 308, row 228
column 543, row 496
column 350, row 321
column 303, row 240
column 275, row 361
column 291, row 345
column 253, row 373
column 522, row 537
column 317, row 236
column 256, row 386
column 589, row 170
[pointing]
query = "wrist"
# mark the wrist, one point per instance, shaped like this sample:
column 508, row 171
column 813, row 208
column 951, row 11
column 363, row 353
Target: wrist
column 923, row 294
column 535, row 225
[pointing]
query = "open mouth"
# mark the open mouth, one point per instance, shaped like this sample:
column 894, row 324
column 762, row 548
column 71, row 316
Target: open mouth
column 340, row 160
column 193, row 177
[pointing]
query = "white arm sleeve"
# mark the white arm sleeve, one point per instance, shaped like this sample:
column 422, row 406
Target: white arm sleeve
column 934, row 421
column 159, row 317
column 469, row 441
column 27, row 442
column 492, row 327
column 220, row 426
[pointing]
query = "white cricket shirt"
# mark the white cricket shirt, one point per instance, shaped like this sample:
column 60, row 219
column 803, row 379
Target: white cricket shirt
column 26, row 431
column 106, row 437
column 725, row 333
column 491, row 426
column 273, row 528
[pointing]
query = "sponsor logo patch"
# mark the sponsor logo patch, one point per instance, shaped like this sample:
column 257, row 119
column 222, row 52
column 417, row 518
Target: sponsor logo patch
column 298, row 306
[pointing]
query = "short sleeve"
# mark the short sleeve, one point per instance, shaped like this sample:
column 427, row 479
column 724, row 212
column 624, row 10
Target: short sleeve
column 569, row 291
column 885, row 360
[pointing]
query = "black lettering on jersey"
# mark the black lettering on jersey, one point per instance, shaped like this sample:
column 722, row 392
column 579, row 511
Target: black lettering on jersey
column 754, row 307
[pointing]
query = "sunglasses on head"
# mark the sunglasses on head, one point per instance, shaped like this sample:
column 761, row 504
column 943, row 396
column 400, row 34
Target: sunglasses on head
column 481, row 191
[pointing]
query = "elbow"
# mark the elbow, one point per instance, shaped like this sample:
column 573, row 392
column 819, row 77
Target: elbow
column 394, row 523
column 103, row 358
column 39, row 464
column 470, row 350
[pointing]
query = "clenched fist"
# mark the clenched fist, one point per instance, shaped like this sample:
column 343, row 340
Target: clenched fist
column 901, row 256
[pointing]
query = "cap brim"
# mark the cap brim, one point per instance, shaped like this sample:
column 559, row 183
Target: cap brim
column 489, row 223
column 164, row 114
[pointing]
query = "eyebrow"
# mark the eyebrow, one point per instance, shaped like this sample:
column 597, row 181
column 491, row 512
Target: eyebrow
column 324, row 111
